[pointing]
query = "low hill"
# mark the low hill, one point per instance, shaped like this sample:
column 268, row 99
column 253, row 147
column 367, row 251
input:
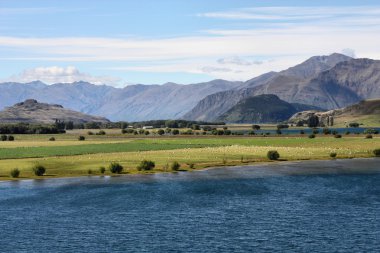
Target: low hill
column 262, row 109
column 31, row 111
column 366, row 112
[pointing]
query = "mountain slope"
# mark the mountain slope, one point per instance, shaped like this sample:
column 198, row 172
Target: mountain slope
column 132, row 103
column 30, row 111
column 261, row 109
column 348, row 82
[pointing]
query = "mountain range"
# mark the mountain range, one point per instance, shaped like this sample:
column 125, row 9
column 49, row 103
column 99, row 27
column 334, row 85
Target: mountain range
column 327, row 82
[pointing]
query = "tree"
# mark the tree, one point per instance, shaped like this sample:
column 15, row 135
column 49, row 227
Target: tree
column 161, row 131
column 256, row 127
column 175, row 166
column 115, row 167
column 175, row 132
column 273, row 155
column 69, row 125
column 146, row 165
column 39, row 170
column 313, row 121
column 15, row 173
column 81, row 138
column 102, row 169
column 196, row 127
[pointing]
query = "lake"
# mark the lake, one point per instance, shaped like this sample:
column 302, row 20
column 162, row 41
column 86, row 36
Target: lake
column 311, row 206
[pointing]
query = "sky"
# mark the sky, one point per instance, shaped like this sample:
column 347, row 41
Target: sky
column 121, row 42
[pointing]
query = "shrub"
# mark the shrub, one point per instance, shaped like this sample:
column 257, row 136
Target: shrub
column 4, row 138
column 376, row 152
column 338, row 136
column 175, row 166
column 302, row 132
column 326, row 131
column 39, row 170
column 311, row 136
column 81, row 138
column 11, row 138
column 191, row 165
column 256, row 127
column 273, row 155
column 347, row 133
column 102, row 169
column 89, row 172
column 368, row 136
column 175, row 132
column 51, row 139
column 116, row 167
column 101, row 132
column 90, row 133
column 146, row 165
column 161, row 131
column 146, row 132
column 353, row 124
column 315, row 131
column 15, row 173
column 332, row 154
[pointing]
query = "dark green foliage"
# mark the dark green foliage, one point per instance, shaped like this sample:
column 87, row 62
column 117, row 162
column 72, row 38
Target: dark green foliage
column 146, row 132
column 315, row 131
column 311, row 136
column 191, row 165
column 175, row 131
column 302, row 132
column 161, row 131
column 313, row 121
column 278, row 131
column 333, row 154
column 128, row 131
column 338, row 136
column 368, row 136
column 15, row 173
column 326, row 130
column 51, row 139
column 282, row 126
column 347, row 132
column 69, row 125
column 39, row 170
column 101, row 132
column 371, row 131
column 376, row 152
column 273, row 155
column 251, row 133
column 146, row 165
column 81, row 138
column 115, row 167
column 4, row 137
column 196, row 127
column 89, row 172
column 25, row 128
column 175, row 166
column 353, row 124
column 11, row 138
column 102, row 170
column 227, row 132
column 256, row 127
column 90, row 133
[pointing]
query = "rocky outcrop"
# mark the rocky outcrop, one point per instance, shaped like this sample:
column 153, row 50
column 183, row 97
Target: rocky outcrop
column 31, row 111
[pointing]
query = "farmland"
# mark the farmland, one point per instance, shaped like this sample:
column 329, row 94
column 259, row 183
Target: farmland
column 67, row 156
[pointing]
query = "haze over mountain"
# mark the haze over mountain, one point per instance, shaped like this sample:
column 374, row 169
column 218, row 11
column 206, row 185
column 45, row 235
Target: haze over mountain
column 31, row 111
column 132, row 103
column 328, row 82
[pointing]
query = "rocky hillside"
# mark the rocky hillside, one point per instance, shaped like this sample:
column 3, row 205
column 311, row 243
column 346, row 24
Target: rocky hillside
column 346, row 82
column 132, row 103
column 31, row 111
column 366, row 112
column 261, row 109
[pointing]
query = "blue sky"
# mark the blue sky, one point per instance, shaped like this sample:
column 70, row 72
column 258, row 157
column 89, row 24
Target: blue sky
column 183, row 41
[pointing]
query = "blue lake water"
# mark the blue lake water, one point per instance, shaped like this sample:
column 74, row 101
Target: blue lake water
column 341, row 130
column 313, row 206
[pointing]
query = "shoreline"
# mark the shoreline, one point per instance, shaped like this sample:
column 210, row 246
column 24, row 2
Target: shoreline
column 213, row 167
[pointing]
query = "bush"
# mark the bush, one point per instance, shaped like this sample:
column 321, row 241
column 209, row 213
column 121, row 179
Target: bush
column 353, row 124
column 302, row 132
column 311, row 136
column 338, row 136
column 11, row 138
column 90, row 133
column 332, row 154
column 102, row 169
column 116, row 167
column 39, row 170
column 175, row 166
column 89, row 172
column 191, row 165
column 4, row 138
column 376, row 152
column 81, row 138
column 161, row 131
column 101, row 132
column 51, row 139
column 368, row 136
column 146, row 165
column 256, row 127
column 15, row 173
column 273, row 155
column 175, row 132
column 315, row 131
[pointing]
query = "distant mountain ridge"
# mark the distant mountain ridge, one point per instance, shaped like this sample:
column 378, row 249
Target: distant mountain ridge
column 132, row 103
column 332, row 82
column 31, row 111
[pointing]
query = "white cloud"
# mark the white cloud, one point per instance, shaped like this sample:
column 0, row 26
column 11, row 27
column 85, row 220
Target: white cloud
column 287, row 42
column 349, row 52
column 55, row 74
